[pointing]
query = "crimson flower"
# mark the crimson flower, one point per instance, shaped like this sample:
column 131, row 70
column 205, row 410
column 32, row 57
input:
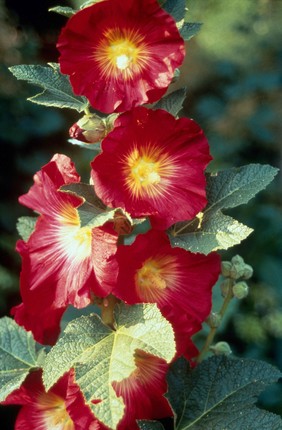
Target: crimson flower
column 61, row 261
column 153, row 164
column 120, row 54
column 61, row 408
column 178, row 281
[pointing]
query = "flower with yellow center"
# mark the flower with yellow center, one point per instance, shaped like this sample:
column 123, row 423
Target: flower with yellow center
column 152, row 164
column 120, row 53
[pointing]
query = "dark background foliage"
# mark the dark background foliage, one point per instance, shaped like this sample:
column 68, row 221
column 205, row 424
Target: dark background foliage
column 233, row 74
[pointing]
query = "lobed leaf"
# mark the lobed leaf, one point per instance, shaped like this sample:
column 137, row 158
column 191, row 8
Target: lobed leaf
column 220, row 393
column 236, row 186
column 212, row 230
column 18, row 356
column 101, row 356
column 57, row 90
column 173, row 102
column 25, row 226
column 217, row 231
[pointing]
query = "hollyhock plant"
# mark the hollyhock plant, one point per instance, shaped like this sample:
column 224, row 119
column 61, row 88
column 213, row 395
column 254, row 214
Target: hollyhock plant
column 120, row 54
column 61, row 408
column 153, row 165
column 179, row 282
column 60, row 258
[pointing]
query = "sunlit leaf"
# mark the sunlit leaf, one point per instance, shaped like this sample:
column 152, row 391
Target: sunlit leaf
column 173, row 102
column 65, row 11
column 100, row 355
column 18, row 356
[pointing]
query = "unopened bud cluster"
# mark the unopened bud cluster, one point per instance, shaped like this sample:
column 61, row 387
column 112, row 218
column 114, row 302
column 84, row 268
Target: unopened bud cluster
column 233, row 271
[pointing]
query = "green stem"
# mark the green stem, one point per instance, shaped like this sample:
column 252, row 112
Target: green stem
column 212, row 332
column 107, row 310
column 87, row 111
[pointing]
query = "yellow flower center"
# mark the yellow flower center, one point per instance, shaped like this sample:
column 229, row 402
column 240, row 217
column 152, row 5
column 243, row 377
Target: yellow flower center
column 75, row 240
column 54, row 413
column 155, row 276
column 147, row 171
column 121, row 51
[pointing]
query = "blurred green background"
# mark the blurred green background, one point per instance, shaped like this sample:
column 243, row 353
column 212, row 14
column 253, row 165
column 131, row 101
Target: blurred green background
column 233, row 75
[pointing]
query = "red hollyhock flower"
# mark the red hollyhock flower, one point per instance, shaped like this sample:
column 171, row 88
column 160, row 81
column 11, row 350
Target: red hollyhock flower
column 143, row 391
column 179, row 282
column 61, row 261
column 61, row 408
column 153, row 164
column 120, row 54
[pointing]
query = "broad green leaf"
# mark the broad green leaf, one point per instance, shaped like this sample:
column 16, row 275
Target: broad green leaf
column 236, row 186
column 57, row 90
column 18, row 356
column 220, row 393
column 150, row 425
column 25, row 226
column 213, row 230
column 173, row 102
column 65, row 11
column 190, row 29
column 176, row 8
column 216, row 231
column 101, row 356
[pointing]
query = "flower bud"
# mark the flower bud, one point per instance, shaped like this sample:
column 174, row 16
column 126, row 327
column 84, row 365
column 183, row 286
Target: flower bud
column 248, row 272
column 213, row 320
column 225, row 268
column 90, row 129
column 221, row 348
column 238, row 267
column 240, row 290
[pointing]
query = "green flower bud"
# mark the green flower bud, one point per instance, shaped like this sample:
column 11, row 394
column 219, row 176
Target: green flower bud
column 238, row 267
column 213, row 320
column 221, row 348
column 237, row 259
column 225, row 268
column 240, row 290
column 248, row 272
column 91, row 128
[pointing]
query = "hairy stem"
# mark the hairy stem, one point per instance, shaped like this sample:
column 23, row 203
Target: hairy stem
column 212, row 332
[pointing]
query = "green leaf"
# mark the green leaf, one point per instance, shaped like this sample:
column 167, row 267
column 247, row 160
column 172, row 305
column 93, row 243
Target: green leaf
column 25, row 226
column 65, row 11
column 217, row 231
column 57, row 88
column 18, row 356
column 100, row 355
column 211, row 230
column 150, row 425
column 190, row 29
column 173, row 102
column 176, row 8
column 220, row 393
column 233, row 187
